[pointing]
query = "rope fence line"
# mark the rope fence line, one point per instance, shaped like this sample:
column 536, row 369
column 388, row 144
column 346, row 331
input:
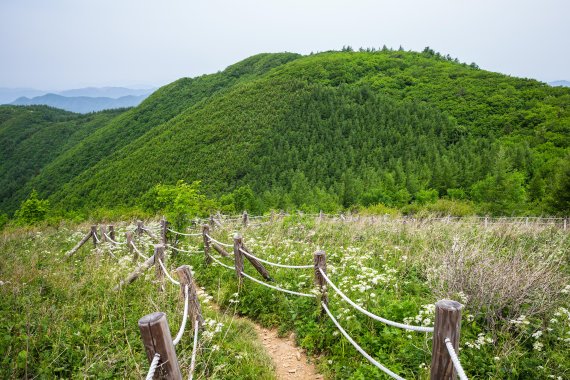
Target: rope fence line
column 184, row 317
column 153, row 365
column 275, row 264
column 360, row 349
column 113, row 241
column 219, row 242
column 166, row 272
column 455, row 360
column 180, row 249
column 277, row 288
column 371, row 315
column 183, row 233
column 222, row 264
column 194, row 350
column 138, row 252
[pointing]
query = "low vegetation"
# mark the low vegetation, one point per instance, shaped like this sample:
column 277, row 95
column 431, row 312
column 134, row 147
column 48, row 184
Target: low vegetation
column 61, row 319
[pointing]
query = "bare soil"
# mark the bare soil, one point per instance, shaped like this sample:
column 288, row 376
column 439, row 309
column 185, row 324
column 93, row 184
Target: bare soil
column 290, row 361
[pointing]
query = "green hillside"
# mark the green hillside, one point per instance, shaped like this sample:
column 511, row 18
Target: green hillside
column 331, row 130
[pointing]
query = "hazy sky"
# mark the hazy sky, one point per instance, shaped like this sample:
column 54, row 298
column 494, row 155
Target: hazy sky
column 58, row 44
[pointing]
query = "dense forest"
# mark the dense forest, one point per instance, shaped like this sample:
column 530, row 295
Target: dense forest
column 335, row 130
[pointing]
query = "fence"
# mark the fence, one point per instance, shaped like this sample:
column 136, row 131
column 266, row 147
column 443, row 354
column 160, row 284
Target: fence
column 155, row 333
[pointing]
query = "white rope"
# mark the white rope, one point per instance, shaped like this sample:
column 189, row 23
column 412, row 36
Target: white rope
column 455, row 360
column 277, row 288
column 166, row 273
column 138, row 252
column 113, row 241
column 194, row 349
column 184, row 317
column 96, row 238
column 359, row 349
column 222, row 264
column 219, row 242
column 182, row 233
column 153, row 366
column 374, row 316
column 275, row 264
column 182, row 250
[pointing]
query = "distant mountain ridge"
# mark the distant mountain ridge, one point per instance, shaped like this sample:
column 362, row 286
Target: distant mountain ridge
column 81, row 104
column 560, row 83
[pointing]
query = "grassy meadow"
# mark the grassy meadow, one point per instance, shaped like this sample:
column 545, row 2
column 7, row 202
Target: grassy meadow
column 61, row 319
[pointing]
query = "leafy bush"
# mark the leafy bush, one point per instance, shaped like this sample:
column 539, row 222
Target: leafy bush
column 32, row 211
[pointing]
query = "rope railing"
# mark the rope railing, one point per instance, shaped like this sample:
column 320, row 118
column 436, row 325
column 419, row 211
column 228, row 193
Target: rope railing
column 277, row 288
column 222, row 264
column 359, row 349
column 371, row 315
column 275, row 264
column 166, row 273
column 183, row 233
column 137, row 251
column 219, row 242
column 97, row 239
column 194, row 350
column 184, row 316
column 114, row 241
column 180, row 249
column 153, row 365
column 455, row 360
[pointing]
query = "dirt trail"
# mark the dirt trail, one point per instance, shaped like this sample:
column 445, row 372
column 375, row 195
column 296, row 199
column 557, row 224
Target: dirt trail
column 290, row 361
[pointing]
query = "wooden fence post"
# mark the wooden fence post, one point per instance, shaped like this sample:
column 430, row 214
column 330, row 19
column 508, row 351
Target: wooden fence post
column 447, row 325
column 238, row 258
column 81, row 242
column 565, row 223
column 486, row 221
column 205, row 233
column 112, row 232
column 159, row 255
column 103, row 230
column 320, row 261
column 156, row 338
column 212, row 222
column 129, row 238
column 245, row 219
column 164, row 231
column 256, row 263
column 321, row 215
column 195, row 311
column 139, row 228
column 94, row 235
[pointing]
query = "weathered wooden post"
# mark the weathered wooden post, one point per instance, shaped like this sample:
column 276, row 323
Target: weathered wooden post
column 212, row 222
column 205, row 233
column 164, row 231
column 159, row 255
column 447, row 325
column 245, row 219
column 94, row 235
column 195, row 311
column 565, row 223
column 103, row 230
column 139, row 228
column 156, row 339
column 321, row 215
column 238, row 258
column 320, row 261
column 129, row 239
column 79, row 245
column 112, row 232
column 486, row 221
column 272, row 216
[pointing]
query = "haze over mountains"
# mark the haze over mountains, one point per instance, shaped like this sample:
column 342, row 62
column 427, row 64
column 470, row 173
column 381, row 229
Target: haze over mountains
column 323, row 131
column 82, row 100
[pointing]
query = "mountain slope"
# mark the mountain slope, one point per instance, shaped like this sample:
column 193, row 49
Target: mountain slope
column 327, row 130
column 163, row 105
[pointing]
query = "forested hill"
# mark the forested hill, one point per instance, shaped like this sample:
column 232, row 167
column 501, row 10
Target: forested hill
column 324, row 131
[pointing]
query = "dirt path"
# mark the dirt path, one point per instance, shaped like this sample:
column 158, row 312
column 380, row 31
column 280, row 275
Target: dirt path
column 290, row 361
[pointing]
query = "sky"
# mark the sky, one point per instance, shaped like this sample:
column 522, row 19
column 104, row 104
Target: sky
column 62, row 44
